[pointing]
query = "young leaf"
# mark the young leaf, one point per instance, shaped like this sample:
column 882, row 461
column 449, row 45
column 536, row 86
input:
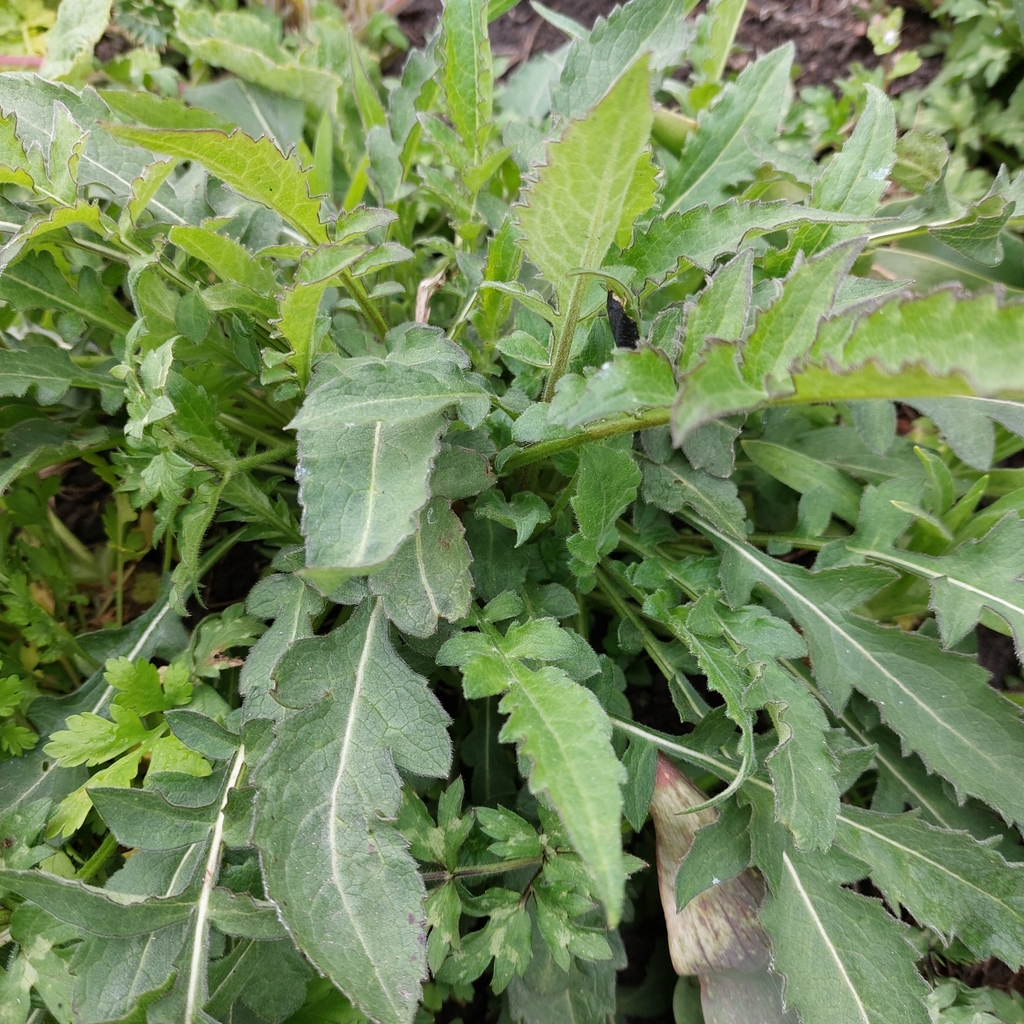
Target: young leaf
column 654, row 27
column 468, row 80
column 982, row 574
column 598, row 171
column 606, row 485
column 345, row 883
column 802, row 767
column 716, row 155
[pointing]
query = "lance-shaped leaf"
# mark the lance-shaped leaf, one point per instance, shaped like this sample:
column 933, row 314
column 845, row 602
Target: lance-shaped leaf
column 716, row 155
column 562, row 730
column 51, row 372
column 256, row 169
column 598, row 178
column 36, row 283
column 702, row 234
column 931, row 347
column 833, row 946
column 854, row 181
column 674, row 485
column 428, row 577
column 981, row 574
column 938, row 702
column 468, row 79
column 966, row 424
column 947, row 880
column 346, row 885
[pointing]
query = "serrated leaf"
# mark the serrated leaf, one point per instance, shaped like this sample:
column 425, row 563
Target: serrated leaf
column 832, row 946
column 428, row 577
column 982, row 574
column 100, row 911
column 716, row 155
column 803, row 769
column 720, row 310
column 931, row 347
column 524, row 513
column 855, row 180
column 702, row 234
column 938, row 702
column 577, row 206
column 145, row 819
column 50, row 371
column 36, row 283
column 256, row 169
column 675, row 485
column 949, row 881
column 468, row 80
column 977, row 234
column 80, row 23
column 787, row 329
column 606, row 485
column 806, row 475
column 561, row 729
column 654, row 27
column 346, row 886
column 245, row 44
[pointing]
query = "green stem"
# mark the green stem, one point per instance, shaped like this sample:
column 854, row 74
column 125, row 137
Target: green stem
column 283, row 451
column 652, row 645
column 563, row 342
column 623, row 424
column 482, row 870
column 366, row 304
column 243, row 428
column 92, row 866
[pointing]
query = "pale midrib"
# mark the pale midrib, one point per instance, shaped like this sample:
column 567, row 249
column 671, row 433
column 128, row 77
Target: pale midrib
column 929, row 574
column 809, row 904
column 371, row 496
column 421, row 567
column 863, row 651
column 917, row 854
column 87, row 313
column 756, row 102
column 332, row 824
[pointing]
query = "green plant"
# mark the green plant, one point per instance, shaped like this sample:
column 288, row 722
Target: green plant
column 411, row 751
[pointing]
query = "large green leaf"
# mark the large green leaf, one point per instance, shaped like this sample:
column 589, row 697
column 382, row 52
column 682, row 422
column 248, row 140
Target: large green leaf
column 597, row 180
column 50, row 371
column 80, row 23
column 341, row 874
column 938, row 702
column 949, row 881
column 256, row 169
column 367, row 438
column 36, row 283
column 833, row 946
column 702, row 234
column 716, row 155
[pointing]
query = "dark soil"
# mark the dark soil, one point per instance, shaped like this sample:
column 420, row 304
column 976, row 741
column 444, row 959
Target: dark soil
column 80, row 502
column 829, row 35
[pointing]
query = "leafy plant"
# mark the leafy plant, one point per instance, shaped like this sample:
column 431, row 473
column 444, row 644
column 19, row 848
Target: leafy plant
column 416, row 748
